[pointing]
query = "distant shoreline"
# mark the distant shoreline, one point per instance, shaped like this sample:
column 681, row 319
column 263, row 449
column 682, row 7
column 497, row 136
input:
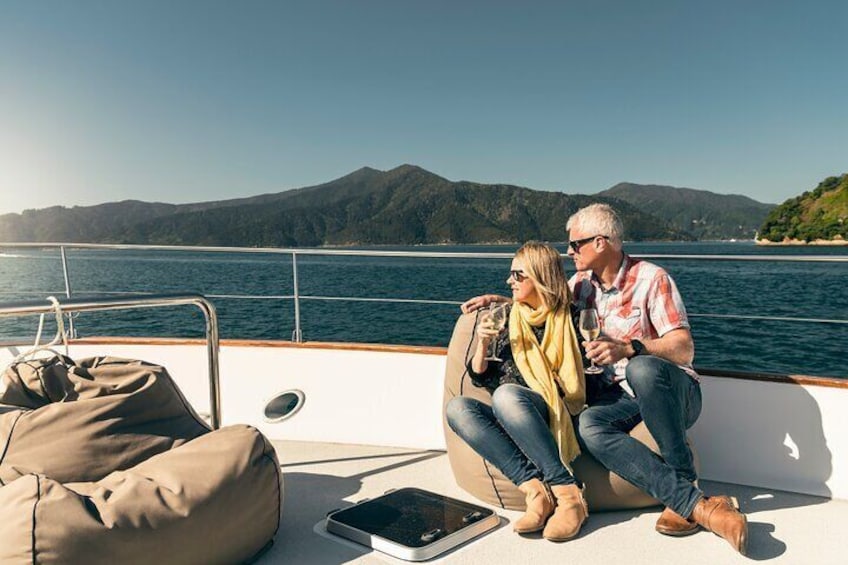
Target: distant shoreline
column 794, row 242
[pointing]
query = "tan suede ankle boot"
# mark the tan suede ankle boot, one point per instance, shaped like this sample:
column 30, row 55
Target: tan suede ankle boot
column 571, row 511
column 540, row 506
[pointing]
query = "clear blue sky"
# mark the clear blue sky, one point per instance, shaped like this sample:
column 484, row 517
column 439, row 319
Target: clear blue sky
column 192, row 100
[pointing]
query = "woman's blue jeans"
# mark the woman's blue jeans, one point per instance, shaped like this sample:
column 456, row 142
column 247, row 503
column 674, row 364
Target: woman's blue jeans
column 512, row 434
column 669, row 402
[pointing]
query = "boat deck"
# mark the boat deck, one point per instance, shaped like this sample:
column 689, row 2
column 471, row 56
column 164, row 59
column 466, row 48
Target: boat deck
column 319, row 477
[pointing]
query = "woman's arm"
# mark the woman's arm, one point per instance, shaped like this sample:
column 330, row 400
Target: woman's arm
column 478, row 362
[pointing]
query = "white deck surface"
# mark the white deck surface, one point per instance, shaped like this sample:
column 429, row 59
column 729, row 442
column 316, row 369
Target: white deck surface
column 319, row 477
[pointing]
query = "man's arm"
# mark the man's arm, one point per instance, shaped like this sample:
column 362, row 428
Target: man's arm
column 676, row 346
column 481, row 301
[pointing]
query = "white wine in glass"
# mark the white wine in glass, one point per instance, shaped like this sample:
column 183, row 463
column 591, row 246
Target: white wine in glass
column 497, row 315
column 590, row 329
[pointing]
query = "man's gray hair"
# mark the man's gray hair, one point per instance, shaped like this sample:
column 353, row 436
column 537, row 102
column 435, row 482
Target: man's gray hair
column 598, row 219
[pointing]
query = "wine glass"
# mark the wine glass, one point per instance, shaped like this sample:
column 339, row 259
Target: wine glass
column 496, row 316
column 590, row 329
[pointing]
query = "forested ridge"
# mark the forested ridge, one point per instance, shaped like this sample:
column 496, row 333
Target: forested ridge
column 406, row 205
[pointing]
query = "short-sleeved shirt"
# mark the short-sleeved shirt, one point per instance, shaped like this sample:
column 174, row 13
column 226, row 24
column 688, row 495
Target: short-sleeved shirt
column 643, row 302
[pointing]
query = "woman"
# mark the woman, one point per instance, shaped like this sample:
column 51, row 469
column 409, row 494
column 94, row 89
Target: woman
column 538, row 386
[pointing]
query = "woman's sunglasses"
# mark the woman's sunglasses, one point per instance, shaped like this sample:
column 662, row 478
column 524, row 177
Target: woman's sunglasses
column 517, row 276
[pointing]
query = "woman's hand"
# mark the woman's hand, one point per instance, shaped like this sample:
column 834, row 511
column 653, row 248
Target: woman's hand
column 481, row 301
column 486, row 331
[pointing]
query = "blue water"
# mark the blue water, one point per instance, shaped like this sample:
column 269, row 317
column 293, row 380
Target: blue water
column 796, row 290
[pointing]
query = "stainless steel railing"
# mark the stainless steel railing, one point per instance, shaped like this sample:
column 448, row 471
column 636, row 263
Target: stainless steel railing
column 72, row 305
column 297, row 297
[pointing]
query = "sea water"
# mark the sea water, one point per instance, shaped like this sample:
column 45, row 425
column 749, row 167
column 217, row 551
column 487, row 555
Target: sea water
column 752, row 316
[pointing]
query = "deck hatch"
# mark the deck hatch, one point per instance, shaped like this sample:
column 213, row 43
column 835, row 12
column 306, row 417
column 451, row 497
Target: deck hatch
column 412, row 524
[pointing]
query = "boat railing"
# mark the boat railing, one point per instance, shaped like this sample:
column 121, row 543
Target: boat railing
column 72, row 305
column 297, row 297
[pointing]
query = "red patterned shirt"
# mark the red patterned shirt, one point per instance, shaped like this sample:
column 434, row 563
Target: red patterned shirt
column 642, row 302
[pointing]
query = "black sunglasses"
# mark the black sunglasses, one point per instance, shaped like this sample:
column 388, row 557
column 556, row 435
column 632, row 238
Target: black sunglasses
column 517, row 276
column 577, row 243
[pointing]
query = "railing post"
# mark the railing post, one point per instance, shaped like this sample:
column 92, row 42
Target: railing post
column 71, row 331
column 212, row 346
column 297, row 335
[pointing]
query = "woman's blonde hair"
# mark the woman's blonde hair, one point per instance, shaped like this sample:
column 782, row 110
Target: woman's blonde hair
column 543, row 264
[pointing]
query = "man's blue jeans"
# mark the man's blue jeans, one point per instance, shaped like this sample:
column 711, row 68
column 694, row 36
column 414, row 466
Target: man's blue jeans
column 512, row 434
column 669, row 402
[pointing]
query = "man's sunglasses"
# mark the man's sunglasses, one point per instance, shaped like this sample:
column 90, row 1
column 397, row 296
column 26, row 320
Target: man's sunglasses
column 517, row 276
column 578, row 243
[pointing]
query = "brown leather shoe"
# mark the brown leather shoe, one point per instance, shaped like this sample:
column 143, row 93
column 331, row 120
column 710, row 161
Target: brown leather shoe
column 540, row 505
column 670, row 523
column 718, row 515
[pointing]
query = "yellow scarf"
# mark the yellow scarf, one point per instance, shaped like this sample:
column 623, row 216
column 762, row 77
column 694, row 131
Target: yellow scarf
column 556, row 361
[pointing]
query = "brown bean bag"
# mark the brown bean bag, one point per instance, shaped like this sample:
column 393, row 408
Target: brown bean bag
column 215, row 499
column 79, row 421
column 604, row 490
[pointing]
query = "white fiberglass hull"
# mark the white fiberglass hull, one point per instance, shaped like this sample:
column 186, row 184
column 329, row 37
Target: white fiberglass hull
column 781, row 435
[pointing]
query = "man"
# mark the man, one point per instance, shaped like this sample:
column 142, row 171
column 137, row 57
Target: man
column 646, row 344
column 647, row 348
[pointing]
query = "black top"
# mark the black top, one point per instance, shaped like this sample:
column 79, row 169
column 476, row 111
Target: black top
column 498, row 373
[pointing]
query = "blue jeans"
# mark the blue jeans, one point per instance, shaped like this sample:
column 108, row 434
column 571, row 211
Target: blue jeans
column 669, row 402
column 512, row 434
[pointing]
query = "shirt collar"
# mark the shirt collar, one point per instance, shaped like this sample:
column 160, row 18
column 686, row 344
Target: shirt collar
column 618, row 283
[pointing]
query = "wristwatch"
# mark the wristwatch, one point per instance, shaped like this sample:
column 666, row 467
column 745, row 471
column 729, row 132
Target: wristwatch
column 638, row 348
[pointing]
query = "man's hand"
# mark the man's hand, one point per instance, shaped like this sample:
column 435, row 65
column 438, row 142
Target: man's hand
column 605, row 351
column 478, row 302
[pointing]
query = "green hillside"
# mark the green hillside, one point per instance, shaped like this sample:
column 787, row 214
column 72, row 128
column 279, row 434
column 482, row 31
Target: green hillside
column 706, row 215
column 820, row 214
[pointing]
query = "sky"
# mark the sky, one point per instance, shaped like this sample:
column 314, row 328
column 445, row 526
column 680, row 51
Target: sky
column 194, row 100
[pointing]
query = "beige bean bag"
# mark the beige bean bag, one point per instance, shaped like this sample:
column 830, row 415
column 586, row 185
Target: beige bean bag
column 68, row 415
column 103, row 461
column 604, row 490
column 215, row 499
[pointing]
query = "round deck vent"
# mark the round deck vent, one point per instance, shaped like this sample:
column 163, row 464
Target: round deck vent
column 284, row 405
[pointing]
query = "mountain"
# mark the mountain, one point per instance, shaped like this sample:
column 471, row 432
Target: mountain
column 704, row 214
column 405, row 205
column 820, row 214
column 105, row 223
